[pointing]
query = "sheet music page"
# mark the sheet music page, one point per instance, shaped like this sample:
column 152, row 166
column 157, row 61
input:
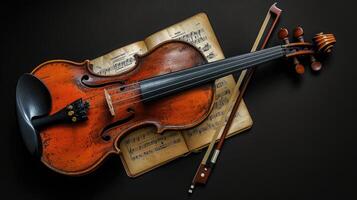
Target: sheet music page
column 118, row 61
column 144, row 149
column 196, row 30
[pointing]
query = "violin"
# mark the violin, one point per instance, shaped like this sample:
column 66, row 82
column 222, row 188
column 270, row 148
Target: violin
column 72, row 118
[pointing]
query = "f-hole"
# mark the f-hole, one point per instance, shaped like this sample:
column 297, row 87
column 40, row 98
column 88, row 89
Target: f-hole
column 118, row 123
column 88, row 81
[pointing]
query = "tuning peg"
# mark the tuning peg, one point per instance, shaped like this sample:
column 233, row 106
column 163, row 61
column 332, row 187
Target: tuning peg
column 283, row 34
column 299, row 35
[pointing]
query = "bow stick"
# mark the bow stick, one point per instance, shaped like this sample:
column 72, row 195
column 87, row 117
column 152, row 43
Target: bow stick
column 211, row 155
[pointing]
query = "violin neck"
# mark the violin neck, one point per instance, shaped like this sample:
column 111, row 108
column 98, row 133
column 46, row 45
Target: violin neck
column 160, row 86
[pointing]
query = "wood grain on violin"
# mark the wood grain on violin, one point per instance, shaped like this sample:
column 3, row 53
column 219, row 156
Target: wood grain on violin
column 80, row 148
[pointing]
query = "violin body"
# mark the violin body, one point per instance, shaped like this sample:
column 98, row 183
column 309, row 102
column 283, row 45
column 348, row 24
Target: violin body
column 78, row 148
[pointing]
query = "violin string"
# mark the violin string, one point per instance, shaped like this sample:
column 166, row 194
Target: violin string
column 251, row 58
column 248, row 59
column 197, row 77
column 168, row 91
column 273, row 53
column 220, row 62
column 148, row 98
column 230, row 70
column 125, row 86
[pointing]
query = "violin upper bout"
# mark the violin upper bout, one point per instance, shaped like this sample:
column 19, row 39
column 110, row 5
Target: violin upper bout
column 184, row 109
column 170, row 56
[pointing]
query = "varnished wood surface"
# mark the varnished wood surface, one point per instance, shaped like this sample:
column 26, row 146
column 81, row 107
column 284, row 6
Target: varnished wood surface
column 76, row 149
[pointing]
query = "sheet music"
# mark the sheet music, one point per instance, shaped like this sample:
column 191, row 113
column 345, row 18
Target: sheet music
column 118, row 61
column 145, row 148
column 195, row 30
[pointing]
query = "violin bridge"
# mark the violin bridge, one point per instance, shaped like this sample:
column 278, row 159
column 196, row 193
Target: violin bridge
column 108, row 98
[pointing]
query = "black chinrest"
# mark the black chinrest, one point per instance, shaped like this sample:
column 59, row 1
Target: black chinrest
column 32, row 100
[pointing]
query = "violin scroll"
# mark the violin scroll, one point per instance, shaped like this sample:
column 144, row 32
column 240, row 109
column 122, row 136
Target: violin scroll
column 324, row 42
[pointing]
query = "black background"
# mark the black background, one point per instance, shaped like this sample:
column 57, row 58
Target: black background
column 302, row 144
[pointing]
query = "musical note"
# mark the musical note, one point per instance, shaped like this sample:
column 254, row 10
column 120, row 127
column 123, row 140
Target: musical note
column 143, row 144
column 206, row 47
column 118, row 61
column 211, row 55
column 117, row 66
column 194, row 37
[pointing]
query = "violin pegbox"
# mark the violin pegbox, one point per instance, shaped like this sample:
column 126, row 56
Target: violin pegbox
column 284, row 36
column 322, row 44
column 299, row 36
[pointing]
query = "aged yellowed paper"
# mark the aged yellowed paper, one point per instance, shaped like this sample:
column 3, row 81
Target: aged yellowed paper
column 145, row 149
column 118, row 61
column 196, row 30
